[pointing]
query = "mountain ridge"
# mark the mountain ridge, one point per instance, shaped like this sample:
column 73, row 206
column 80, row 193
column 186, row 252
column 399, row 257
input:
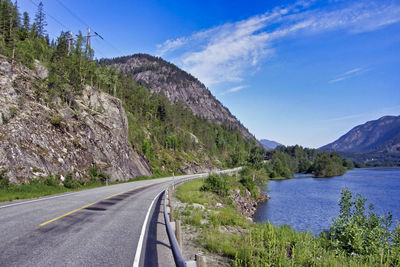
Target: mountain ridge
column 159, row 75
column 381, row 135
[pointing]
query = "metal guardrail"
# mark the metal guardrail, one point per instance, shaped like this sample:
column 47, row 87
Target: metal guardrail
column 176, row 251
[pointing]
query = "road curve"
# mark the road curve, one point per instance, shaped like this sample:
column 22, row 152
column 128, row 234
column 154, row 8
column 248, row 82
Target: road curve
column 95, row 227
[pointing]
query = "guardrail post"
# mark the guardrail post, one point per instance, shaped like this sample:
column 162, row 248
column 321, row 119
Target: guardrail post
column 178, row 232
column 201, row 260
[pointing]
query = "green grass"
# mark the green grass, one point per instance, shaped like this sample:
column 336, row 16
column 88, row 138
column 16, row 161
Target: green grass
column 39, row 188
column 190, row 193
column 194, row 217
column 35, row 190
column 227, row 216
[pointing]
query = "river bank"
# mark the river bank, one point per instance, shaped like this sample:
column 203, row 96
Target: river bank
column 319, row 198
column 213, row 225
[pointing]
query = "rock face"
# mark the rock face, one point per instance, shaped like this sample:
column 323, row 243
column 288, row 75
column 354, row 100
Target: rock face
column 382, row 135
column 177, row 85
column 37, row 138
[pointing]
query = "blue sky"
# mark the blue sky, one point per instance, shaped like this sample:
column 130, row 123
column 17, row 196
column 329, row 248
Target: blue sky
column 297, row 72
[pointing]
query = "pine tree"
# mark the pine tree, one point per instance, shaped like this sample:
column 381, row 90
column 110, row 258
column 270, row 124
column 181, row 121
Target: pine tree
column 40, row 20
column 16, row 16
column 26, row 21
column 6, row 11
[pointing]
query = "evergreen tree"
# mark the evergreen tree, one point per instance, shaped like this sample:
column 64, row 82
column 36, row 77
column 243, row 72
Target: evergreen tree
column 40, row 20
column 26, row 21
column 16, row 16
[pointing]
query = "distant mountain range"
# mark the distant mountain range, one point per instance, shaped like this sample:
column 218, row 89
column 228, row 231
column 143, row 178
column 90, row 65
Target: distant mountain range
column 269, row 145
column 374, row 143
column 381, row 135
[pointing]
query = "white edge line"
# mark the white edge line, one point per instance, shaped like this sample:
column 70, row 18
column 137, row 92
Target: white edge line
column 136, row 261
column 35, row 200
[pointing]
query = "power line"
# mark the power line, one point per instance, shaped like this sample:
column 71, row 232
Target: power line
column 72, row 13
column 48, row 14
column 80, row 20
column 111, row 45
column 87, row 25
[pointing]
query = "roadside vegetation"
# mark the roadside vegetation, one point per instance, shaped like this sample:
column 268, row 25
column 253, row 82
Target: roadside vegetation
column 56, row 184
column 356, row 237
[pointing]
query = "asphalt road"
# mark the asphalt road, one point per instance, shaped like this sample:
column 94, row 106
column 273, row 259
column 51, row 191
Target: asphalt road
column 95, row 227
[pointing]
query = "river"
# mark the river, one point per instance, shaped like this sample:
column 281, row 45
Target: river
column 307, row 203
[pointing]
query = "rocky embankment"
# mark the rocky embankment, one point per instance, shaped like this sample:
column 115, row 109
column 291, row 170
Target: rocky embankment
column 245, row 204
column 39, row 137
column 193, row 235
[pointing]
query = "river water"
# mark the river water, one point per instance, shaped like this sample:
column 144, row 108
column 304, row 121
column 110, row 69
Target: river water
column 307, row 203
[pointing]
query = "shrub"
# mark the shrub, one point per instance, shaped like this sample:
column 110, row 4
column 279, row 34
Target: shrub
column 355, row 232
column 4, row 181
column 217, row 184
column 97, row 175
column 50, row 180
column 70, row 182
column 248, row 182
column 103, row 177
column 57, row 121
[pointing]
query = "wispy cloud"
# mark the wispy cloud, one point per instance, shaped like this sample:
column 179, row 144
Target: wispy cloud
column 370, row 115
column 226, row 52
column 349, row 117
column 348, row 74
column 234, row 89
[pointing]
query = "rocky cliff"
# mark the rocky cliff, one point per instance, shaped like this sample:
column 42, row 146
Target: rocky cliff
column 382, row 135
column 161, row 76
column 37, row 138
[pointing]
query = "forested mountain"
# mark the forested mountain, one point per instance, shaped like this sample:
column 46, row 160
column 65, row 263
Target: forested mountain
column 268, row 144
column 64, row 113
column 178, row 86
column 381, row 135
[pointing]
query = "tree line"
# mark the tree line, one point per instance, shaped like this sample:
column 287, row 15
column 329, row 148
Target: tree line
column 285, row 161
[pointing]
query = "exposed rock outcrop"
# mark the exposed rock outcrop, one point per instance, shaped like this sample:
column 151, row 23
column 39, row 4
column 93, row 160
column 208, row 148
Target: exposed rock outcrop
column 245, row 204
column 177, row 85
column 37, row 138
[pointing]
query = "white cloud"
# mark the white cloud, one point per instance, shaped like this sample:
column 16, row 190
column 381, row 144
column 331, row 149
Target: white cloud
column 235, row 89
column 171, row 45
column 225, row 53
column 348, row 74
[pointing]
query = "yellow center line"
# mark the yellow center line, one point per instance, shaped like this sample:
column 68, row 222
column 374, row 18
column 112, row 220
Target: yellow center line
column 81, row 208
column 66, row 214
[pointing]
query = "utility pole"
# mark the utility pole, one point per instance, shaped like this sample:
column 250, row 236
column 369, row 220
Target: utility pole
column 70, row 39
column 88, row 41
